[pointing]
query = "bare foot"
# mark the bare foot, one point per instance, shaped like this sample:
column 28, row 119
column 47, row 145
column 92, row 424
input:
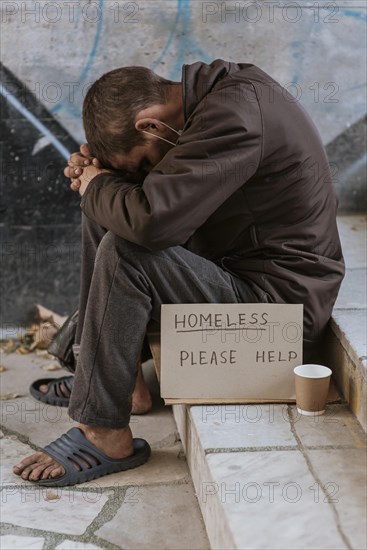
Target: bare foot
column 114, row 443
column 141, row 399
column 38, row 466
column 63, row 389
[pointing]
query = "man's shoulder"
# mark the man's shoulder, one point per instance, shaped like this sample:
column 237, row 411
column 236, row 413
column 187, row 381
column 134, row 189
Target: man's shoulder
column 200, row 79
column 249, row 73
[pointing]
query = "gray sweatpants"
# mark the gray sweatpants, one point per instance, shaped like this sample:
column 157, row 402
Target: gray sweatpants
column 122, row 288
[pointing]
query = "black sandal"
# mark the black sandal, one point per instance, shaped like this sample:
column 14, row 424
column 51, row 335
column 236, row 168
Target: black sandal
column 74, row 449
column 55, row 394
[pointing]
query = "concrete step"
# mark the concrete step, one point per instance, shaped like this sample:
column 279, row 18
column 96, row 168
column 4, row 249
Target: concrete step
column 266, row 477
column 345, row 344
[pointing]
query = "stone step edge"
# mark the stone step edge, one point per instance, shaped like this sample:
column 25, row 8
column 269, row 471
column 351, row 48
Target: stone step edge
column 215, row 521
column 349, row 370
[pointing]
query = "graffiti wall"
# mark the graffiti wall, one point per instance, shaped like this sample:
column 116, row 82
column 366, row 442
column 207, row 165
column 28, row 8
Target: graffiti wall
column 53, row 50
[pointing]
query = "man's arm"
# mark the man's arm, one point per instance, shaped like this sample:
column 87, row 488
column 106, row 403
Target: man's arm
column 216, row 155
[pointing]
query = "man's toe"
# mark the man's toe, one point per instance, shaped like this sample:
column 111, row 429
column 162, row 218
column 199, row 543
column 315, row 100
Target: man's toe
column 27, row 471
column 37, row 471
column 26, row 462
column 48, row 470
column 57, row 472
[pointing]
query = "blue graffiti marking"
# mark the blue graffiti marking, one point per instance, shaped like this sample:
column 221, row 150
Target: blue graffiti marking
column 67, row 106
column 97, row 38
column 170, row 38
column 299, row 48
column 184, row 42
column 356, row 14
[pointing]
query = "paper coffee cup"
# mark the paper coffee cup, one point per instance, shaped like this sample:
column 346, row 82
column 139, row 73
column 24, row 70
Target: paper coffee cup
column 312, row 387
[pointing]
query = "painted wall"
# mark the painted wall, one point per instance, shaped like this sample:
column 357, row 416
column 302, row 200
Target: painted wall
column 317, row 48
column 56, row 48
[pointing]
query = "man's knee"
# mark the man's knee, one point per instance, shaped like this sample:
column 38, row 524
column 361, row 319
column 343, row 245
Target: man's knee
column 113, row 247
column 107, row 248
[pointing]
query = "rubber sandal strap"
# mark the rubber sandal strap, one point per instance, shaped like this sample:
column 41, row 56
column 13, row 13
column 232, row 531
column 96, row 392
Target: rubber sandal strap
column 56, row 387
column 68, row 382
column 54, row 394
column 74, row 448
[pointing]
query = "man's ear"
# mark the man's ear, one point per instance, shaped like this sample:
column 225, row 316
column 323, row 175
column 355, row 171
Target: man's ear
column 152, row 124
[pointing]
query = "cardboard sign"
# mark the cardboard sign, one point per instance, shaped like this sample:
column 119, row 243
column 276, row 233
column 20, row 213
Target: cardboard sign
column 230, row 351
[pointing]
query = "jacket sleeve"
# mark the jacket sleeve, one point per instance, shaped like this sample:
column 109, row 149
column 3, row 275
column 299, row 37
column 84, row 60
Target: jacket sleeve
column 218, row 152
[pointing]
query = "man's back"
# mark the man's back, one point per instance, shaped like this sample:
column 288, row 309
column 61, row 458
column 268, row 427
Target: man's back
column 278, row 230
column 247, row 186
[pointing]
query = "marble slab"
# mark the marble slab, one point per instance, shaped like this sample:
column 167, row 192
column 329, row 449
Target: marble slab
column 343, row 472
column 351, row 329
column 242, row 426
column 62, row 510
column 268, row 501
column 163, row 517
column 73, row 545
column 336, row 428
column 17, row 542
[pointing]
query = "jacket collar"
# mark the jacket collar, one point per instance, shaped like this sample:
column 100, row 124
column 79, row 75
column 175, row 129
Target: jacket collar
column 198, row 80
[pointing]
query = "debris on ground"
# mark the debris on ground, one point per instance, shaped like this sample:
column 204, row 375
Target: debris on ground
column 43, row 353
column 9, row 396
column 37, row 337
column 50, row 495
column 51, row 366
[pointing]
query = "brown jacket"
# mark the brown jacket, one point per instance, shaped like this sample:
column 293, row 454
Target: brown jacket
column 247, row 186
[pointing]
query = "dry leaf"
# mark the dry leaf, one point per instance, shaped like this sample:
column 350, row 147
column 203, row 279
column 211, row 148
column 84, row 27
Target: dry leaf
column 2, row 368
column 50, row 495
column 22, row 350
column 8, row 396
column 41, row 335
column 45, row 314
column 44, row 354
column 38, row 336
column 50, row 366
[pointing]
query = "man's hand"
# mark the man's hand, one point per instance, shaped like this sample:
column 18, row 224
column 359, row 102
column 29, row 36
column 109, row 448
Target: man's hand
column 89, row 172
column 82, row 168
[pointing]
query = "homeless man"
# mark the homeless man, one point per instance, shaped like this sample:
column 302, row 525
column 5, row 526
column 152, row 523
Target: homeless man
column 213, row 189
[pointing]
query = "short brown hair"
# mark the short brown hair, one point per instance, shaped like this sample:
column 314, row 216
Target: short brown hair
column 111, row 105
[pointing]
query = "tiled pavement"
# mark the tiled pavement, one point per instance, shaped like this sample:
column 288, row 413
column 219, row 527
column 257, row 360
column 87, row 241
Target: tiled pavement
column 153, row 506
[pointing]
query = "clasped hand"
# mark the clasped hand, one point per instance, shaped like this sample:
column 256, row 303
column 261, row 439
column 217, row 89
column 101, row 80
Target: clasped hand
column 82, row 168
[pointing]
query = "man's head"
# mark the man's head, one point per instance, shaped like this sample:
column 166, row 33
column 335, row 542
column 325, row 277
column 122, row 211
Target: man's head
column 122, row 108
